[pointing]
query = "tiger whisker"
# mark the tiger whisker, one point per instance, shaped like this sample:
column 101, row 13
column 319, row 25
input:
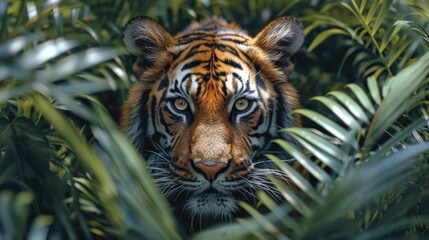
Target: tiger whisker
column 158, row 146
column 163, row 157
column 272, row 191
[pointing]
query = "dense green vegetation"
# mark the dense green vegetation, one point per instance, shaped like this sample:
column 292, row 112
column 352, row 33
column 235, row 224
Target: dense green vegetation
column 363, row 79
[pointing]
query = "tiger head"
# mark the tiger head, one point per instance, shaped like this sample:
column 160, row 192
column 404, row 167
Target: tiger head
column 207, row 103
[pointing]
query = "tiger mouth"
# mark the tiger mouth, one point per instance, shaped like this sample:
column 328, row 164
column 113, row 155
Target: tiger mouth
column 212, row 204
column 211, row 190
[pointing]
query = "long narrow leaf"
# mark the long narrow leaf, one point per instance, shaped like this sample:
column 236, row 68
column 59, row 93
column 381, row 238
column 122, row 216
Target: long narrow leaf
column 15, row 45
column 324, row 35
column 307, row 163
column 322, row 155
column 292, row 198
column 296, row 178
column 77, row 62
column 45, row 52
column 396, row 52
column 371, row 12
column 340, row 112
column 396, row 91
column 384, row 8
column 263, row 222
column 351, row 105
column 317, row 140
column 362, row 97
column 327, row 124
column 374, row 90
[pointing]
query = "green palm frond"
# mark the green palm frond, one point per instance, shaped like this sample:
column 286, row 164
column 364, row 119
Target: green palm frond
column 383, row 43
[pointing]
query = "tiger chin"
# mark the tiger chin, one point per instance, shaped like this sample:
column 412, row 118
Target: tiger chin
column 205, row 109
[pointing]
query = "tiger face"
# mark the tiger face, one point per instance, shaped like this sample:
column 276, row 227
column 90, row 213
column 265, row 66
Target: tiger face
column 206, row 106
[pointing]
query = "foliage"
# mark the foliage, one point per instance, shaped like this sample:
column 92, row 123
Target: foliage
column 64, row 75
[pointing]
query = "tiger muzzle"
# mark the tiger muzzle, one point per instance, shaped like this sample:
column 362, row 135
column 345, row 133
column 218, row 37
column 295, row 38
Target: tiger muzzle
column 211, row 149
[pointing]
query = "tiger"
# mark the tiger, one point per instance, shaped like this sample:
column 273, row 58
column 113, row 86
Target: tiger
column 207, row 103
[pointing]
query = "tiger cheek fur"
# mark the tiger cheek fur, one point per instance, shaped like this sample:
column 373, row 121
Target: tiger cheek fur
column 208, row 102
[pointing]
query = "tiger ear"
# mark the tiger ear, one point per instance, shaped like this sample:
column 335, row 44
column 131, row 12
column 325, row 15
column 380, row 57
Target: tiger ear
column 280, row 39
column 147, row 39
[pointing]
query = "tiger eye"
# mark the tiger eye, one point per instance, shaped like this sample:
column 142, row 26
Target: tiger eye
column 241, row 104
column 180, row 104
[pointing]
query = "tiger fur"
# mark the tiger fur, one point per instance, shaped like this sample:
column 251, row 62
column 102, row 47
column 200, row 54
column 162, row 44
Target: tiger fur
column 206, row 106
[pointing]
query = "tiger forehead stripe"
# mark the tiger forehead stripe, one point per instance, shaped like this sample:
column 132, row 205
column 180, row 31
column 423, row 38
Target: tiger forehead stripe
column 224, row 35
column 206, row 54
column 200, row 44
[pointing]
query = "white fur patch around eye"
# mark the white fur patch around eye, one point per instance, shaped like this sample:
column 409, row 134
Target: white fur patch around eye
column 229, row 83
column 181, row 82
column 194, row 85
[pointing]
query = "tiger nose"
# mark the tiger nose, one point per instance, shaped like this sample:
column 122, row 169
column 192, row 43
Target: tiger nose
column 210, row 169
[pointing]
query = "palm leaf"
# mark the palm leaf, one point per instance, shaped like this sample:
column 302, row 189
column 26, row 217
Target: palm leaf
column 397, row 93
column 372, row 31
